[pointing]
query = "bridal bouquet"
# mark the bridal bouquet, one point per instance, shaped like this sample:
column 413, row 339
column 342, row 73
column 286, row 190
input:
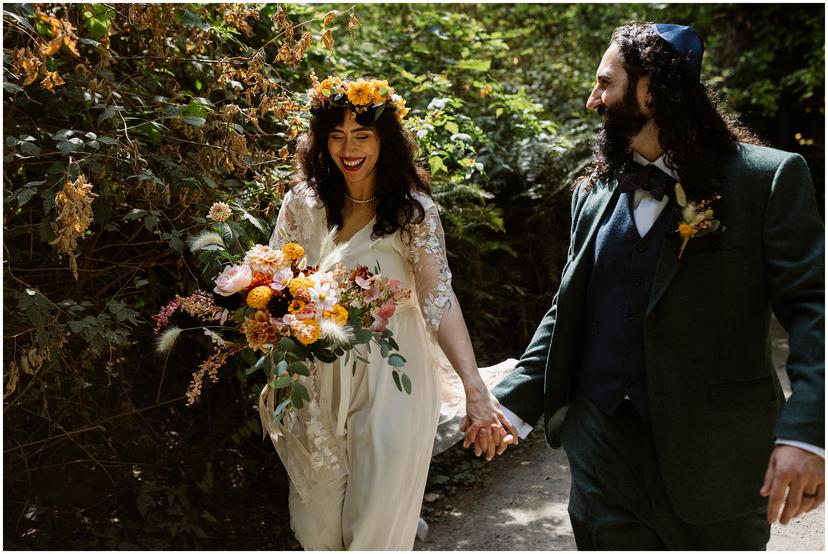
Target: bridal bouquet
column 288, row 314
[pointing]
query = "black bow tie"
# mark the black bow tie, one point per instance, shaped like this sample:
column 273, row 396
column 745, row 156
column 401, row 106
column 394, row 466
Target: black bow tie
column 649, row 178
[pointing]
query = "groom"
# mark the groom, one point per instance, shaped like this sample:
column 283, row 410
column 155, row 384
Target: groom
column 653, row 366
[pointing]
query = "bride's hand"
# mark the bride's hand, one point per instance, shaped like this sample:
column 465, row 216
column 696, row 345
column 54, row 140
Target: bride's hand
column 485, row 424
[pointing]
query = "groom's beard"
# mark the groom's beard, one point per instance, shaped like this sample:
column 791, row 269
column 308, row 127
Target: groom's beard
column 621, row 123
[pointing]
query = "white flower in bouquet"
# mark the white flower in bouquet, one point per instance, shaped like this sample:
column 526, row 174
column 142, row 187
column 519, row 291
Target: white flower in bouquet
column 324, row 292
column 263, row 259
column 281, row 278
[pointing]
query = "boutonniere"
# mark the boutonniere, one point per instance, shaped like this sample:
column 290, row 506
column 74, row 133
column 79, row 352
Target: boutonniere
column 696, row 218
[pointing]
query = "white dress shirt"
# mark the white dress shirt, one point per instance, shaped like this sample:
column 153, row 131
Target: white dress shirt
column 646, row 210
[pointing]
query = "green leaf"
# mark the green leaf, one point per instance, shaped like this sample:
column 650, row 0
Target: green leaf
column 452, row 127
column 281, row 382
column 475, row 65
column 20, row 20
column 24, row 195
column 255, row 366
column 190, row 19
column 300, row 368
column 30, row 148
column 406, row 383
column 281, row 367
column 279, row 412
column 97, row 20
column 299, row 395
column 325, row 355
column 11, row 88
column 435, row 163
column 67, row 147
column 109, row 113
column 396, row 375
column 150, row 222
column 195, row 121
column 174, row 239
column 364, row 336
column 396, row 360
column 288, row 345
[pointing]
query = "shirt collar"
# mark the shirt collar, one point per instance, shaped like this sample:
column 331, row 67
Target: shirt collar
column 659, row 163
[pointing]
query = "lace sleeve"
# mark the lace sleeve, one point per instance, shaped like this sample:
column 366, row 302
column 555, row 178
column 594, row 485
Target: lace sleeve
column 293, row 221
column 432, row 276
column 439, row 305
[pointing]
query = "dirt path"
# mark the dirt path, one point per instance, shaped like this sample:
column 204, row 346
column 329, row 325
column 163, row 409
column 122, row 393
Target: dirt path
column 520, row 503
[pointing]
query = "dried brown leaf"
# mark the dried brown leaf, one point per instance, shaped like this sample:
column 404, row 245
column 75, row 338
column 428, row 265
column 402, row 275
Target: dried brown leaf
column 353, row 24
column 328, row 40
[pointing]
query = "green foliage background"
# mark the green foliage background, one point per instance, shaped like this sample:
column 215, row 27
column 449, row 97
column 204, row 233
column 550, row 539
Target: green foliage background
column 99, row 449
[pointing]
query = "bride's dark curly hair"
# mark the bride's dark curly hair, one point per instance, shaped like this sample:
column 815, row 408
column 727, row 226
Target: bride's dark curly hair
column 694, row 132
column 398, row 172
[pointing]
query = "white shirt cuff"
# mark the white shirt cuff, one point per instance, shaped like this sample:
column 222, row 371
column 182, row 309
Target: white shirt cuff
column 520, row 426
column 803, row 445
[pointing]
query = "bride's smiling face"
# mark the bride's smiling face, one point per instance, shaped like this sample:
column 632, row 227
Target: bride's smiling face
column 355, row 150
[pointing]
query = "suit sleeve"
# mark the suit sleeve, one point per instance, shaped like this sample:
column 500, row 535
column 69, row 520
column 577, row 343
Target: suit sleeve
column 522, row 391
column 794, row 245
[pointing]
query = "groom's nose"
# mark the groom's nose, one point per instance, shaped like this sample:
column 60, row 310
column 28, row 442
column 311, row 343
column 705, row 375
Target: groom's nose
column 594, row 99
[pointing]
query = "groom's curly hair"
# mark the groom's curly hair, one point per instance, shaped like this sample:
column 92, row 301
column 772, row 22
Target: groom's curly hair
column 398, row 171
column 694, row 131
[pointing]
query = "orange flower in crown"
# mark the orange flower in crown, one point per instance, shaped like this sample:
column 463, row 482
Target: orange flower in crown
column 358, row 96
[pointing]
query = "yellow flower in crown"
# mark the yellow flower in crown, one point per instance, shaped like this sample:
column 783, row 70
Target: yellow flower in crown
column 398, row 103
column 360, row 93
column 382, row 92
column 358, row 96
column 327, row 88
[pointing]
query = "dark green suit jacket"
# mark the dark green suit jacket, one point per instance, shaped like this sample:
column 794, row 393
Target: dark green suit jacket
column 715, row 402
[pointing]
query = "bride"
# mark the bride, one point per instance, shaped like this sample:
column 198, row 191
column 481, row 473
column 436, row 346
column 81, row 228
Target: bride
column 358, row 454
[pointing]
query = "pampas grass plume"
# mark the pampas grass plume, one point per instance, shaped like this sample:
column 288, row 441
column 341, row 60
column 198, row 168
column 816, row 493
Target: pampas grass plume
column 337, row 334
column 204, row 239
column 167, row 339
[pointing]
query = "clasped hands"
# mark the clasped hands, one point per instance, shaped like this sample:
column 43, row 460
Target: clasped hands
column 485, row 425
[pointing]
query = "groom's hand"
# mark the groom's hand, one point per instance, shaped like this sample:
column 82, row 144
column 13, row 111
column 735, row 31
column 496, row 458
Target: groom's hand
column 801, row 474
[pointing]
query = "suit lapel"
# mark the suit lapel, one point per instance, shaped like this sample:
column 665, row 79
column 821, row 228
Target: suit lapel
column 669, row 262
column 589, row 220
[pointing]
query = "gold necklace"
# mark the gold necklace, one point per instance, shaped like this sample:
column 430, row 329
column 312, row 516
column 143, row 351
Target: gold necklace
column 355, row 201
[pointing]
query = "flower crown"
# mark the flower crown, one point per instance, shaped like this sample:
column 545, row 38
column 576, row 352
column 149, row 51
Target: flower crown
column 357, row 96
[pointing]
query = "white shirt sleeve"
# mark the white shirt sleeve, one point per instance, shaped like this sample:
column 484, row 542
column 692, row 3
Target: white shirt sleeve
column 521, row 426
column 803, row 445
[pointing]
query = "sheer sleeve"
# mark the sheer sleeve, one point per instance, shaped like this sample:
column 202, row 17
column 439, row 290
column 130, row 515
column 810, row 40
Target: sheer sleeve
column 293, row 224
column 451, row 347
column 432, row 280
column 432, row 276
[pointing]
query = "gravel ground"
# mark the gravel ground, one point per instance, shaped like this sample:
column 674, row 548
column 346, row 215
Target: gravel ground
column 520, row 503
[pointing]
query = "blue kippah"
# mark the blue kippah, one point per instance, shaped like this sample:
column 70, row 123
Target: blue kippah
column 685, row 40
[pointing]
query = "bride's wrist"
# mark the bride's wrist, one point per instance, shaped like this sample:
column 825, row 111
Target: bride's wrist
column 475, row 387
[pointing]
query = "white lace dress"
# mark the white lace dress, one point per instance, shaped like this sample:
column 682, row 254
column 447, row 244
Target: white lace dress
column 358, row 454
